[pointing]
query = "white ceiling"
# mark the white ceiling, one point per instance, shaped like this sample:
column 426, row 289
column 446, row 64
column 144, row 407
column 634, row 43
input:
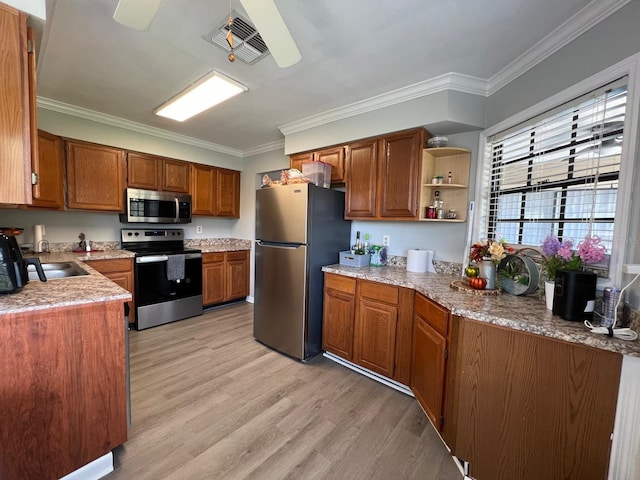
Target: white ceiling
column 352, row 50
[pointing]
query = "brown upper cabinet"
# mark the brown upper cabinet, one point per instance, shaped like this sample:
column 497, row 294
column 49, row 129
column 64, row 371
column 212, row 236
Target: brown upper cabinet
column 383, row 177
column 48, row 171
column 335, row 156
column 215, row 191
column 17, row 109
column 95, row 176
column 227, row 191
column 151, row 172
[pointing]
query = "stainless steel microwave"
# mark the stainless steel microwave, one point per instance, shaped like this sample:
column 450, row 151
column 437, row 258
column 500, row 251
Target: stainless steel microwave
column 148, row 206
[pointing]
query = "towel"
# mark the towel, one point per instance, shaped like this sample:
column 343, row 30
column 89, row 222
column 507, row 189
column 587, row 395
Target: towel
column 175, row 267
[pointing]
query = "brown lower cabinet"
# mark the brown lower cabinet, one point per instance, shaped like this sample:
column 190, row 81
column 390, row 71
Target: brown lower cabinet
column 120, row 271
column 530, row 407
column 429, row 357
column 62, row 372
column 369, row 324
column 225, row 276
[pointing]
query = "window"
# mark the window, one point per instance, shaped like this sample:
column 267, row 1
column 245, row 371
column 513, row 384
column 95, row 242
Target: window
column 558, row 173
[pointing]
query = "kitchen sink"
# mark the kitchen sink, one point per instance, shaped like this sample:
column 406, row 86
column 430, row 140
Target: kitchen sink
column 55, row 270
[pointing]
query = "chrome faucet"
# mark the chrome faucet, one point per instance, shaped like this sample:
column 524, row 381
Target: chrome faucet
column 43, row 246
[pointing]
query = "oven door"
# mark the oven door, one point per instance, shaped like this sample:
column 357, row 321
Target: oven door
column 161, row 300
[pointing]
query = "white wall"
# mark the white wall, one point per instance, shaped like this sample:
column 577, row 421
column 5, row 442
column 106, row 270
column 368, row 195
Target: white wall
column 457, row 111
column 254, row 168
column 91, row 131
column 32, row 7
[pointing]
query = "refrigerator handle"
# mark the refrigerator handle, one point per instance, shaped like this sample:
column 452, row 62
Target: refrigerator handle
column 273, row 245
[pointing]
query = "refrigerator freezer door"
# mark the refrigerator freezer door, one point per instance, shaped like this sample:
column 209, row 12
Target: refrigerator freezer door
column 281, row 213
column 280, row 297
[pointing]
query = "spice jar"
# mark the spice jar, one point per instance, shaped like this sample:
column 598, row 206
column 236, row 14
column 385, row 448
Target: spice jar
column 451, row 214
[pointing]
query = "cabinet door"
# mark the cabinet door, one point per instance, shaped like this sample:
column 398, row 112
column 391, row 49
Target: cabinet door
column 428, row 369
column 119, row 271
column 545, row 411
column 202, row 194
column 335, row 157
column 48, row 189
column 237, row 275
column 296, row 160
column 175, row 175
column 95, row 176
column 375, row 336
column 15, row 110
column 227, row 193
column 361, row 180
column 213, row 272
column 338, row 322
column 144, row 171
column 399, row 174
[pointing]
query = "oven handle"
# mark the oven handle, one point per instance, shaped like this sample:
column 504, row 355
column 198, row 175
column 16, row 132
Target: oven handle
column 164, row 258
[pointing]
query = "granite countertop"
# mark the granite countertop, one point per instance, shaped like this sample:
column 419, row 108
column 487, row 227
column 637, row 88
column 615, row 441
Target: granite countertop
column 525, row 313
column 209, row 245
column 64, row 292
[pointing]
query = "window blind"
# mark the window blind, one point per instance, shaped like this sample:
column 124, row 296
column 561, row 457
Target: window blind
column 558, row 172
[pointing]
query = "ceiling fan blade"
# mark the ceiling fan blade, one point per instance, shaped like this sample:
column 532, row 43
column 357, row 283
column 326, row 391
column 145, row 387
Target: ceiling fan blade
column 268, row 21
column 136, row 14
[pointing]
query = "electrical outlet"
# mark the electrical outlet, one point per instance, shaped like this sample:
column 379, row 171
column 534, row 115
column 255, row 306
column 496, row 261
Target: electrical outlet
column 631, row 268
column 198, row 228
column 386, row 240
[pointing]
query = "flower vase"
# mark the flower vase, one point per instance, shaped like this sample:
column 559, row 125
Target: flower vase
column 489, row 272
column 549, row 289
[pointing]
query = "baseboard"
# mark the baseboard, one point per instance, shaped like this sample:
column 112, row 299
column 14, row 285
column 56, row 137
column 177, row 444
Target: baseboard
column 99, row 468
column 368, row 373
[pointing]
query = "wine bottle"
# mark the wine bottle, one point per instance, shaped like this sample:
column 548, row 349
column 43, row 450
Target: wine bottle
column 358, row 248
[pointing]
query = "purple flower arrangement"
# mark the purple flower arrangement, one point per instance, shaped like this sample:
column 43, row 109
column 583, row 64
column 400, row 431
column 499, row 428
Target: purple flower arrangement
column 561, row 255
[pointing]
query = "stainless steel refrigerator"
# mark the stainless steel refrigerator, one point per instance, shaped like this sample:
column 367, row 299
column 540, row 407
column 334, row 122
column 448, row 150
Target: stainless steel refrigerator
column 299, row 228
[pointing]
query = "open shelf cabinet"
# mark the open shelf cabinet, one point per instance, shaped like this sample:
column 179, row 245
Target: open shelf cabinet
column 455, row 195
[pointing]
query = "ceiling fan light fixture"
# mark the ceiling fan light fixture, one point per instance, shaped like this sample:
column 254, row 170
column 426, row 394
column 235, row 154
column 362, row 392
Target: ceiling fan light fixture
column 136, row 14
column 210, row 90
column 268, row 21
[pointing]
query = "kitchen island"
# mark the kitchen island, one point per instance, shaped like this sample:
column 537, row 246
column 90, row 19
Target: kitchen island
column 62, row 372
column 514, row 391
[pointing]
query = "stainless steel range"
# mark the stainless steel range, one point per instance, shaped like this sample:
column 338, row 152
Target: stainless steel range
column 168, row 276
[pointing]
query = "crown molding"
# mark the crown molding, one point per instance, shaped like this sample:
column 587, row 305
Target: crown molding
column 448, row 81
column 267, row 147
column 68, row 109
column 593, row 13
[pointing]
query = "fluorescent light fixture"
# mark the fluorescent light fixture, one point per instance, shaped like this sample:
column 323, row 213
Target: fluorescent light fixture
column 210, row 90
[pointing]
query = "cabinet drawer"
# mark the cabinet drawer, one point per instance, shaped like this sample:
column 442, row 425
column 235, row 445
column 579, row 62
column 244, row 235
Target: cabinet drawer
column 377, row 291
column 237, row 255
column 215, row 257
column 436, row 316
column 340, row 283
column 111, row 265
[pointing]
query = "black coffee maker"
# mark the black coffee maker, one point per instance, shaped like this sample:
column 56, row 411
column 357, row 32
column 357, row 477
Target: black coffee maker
column 574, row 295
column 13, row 268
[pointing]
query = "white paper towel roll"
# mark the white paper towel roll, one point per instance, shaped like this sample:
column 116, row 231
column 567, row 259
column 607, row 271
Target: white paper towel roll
column 430, row 262
column 38, row 231
column 417, row 261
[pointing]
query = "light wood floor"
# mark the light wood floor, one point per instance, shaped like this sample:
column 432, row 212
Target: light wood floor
column 209, row 402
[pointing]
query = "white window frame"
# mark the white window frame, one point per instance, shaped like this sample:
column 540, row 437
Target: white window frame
column 622, row 249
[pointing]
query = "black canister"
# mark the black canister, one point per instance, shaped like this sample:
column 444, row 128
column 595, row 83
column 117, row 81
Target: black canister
column 574, row 295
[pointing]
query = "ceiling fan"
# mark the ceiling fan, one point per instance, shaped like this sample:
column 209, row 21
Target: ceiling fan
column 264, row 14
